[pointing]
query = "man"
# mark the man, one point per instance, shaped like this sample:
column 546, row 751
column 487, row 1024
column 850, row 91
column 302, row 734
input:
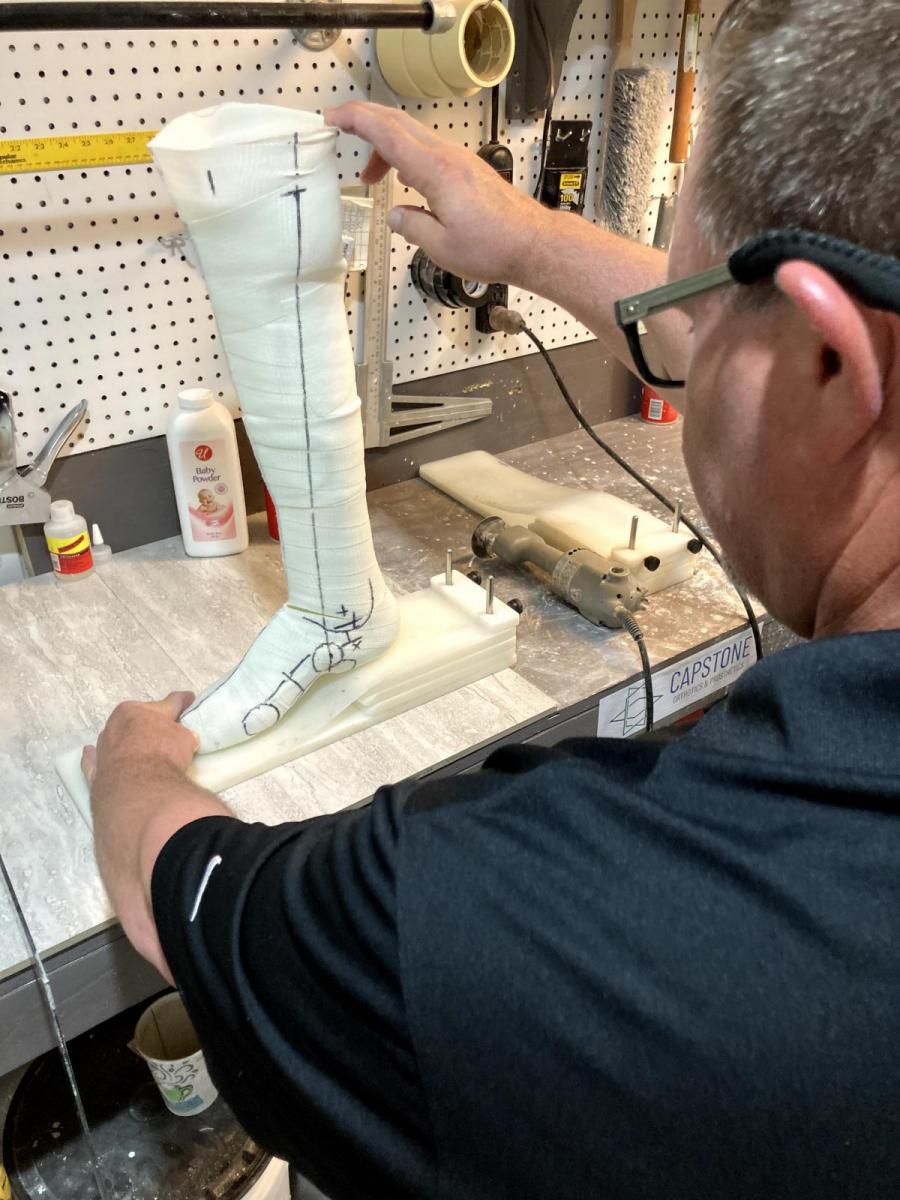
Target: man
column 609, row 969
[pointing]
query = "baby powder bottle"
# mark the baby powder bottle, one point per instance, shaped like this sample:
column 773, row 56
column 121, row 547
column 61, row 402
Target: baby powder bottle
column 206, row 471
column 68, row 541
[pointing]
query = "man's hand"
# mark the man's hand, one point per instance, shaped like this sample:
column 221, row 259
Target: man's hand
column 140, row 797
column 139, row 737
column 479, row 227
column 476, row 225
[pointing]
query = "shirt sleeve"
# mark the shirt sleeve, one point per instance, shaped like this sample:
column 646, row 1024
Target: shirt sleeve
column 283, row 942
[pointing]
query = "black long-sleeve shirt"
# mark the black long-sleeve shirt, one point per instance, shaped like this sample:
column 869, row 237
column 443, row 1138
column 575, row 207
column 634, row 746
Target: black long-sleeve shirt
column 602, row 970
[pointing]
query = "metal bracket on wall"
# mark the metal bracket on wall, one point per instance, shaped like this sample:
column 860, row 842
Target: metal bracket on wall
column 389, row 418
column 317, row 40
column 543, row 28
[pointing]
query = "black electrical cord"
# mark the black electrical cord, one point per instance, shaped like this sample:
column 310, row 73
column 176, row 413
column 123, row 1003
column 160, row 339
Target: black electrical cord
column 655, row 492
column 548, row 116
column 545, row 140
column 495, row 114
column 631, row 626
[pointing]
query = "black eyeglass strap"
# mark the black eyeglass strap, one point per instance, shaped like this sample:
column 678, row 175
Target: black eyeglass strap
column 872, row 278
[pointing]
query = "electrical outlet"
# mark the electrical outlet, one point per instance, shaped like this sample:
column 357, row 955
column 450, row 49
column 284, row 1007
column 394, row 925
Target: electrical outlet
column 498, row 294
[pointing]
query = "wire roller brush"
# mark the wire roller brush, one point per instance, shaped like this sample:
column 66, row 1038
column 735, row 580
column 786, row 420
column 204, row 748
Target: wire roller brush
column 638, row 111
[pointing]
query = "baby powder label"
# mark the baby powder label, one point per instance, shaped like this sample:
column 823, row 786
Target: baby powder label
column 70, row 555
column 208, row 491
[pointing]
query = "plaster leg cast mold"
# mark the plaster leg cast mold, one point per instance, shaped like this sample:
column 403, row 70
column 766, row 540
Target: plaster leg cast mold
column 257, row 186
column 258, row 189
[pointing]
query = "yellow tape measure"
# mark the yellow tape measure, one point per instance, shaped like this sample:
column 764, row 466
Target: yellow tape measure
column 21, row 156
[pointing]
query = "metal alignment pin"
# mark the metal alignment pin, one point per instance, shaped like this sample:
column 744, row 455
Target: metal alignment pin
column 676, row 518
column 632, row 540
column 490, row 595
column 448, row 577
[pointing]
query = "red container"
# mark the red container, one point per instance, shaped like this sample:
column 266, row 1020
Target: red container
column 655, row 410
column 271, row 516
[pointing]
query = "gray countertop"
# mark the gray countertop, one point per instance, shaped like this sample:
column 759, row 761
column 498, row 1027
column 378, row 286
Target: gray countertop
column 150, row 622
column 154, row 621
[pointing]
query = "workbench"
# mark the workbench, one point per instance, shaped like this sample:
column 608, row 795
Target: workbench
column 153, row 621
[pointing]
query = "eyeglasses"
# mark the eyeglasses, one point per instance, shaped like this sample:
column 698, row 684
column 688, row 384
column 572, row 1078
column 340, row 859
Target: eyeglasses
column 871, row 278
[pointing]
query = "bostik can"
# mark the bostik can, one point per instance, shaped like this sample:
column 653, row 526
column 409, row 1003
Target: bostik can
column 655, row 410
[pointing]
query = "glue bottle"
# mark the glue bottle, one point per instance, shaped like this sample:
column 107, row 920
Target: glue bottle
column 102, row 554
column 206, row 472
column 68, row 541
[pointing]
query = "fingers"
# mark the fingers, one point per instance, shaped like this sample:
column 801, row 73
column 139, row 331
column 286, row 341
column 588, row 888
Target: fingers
column 89, row 764
column 418, row 226
column 398, row 140
column 174, row 704
column 374, row 170
column 145, row 735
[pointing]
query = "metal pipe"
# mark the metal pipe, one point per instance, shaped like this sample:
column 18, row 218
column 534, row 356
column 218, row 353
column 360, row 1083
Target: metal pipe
column 24, row 15
column 448, row 570
column 632, row 537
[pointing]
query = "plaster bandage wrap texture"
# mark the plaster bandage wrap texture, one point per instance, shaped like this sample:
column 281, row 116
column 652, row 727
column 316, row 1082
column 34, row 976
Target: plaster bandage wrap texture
column 257, row 187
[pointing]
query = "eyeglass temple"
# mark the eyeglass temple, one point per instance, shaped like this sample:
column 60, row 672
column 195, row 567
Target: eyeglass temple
column 872, row 278
column 636, row 308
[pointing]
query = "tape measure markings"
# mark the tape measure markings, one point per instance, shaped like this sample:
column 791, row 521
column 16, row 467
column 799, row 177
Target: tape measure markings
column 31, row 155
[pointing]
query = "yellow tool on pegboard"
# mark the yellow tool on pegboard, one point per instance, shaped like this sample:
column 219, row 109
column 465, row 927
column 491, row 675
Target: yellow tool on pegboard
column 22, row 156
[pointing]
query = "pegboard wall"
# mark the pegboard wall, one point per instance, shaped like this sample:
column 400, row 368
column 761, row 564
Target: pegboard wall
column 98, row 304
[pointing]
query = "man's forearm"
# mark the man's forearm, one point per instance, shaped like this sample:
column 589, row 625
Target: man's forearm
column 585, row 270
column 135, row 813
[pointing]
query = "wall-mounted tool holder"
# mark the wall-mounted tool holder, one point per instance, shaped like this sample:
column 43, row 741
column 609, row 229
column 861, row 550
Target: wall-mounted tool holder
column 543, row 30
column 565, row 174
column 318, row 40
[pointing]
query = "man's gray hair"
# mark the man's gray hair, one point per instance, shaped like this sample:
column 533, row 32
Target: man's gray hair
column 801, row 123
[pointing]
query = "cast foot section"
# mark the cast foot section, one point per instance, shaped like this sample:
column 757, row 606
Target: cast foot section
column 295, row 651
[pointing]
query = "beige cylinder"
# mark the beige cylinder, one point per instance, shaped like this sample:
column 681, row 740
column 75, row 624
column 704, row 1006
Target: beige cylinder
column 477, row 52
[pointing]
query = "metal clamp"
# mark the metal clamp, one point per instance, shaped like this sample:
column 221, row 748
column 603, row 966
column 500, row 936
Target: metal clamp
column 443, row 16
column 318, row 39
column 23, row 500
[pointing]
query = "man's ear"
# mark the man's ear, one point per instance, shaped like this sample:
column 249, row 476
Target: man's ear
column 850, row 359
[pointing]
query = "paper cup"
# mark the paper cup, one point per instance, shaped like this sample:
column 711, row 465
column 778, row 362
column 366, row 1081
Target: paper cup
column 165, row 1039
